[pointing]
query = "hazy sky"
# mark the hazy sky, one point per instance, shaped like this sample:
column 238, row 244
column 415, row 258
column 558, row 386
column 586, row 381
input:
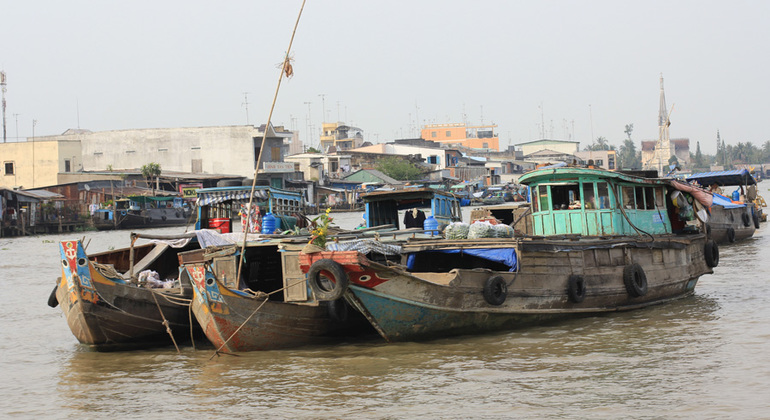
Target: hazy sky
column 585, row 68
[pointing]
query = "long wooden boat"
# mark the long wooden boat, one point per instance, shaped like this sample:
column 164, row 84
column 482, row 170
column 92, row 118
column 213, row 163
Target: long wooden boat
column 108, row 309
column 602, row 241
column 143, row 212
column 269, row 307
column 731, row 220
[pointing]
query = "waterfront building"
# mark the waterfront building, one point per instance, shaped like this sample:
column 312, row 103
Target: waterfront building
column 459, row 134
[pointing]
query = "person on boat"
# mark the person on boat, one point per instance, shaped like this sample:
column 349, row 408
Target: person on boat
column 716, row 189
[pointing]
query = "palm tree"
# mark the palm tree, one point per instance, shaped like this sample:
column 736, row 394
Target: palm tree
column 150, row 171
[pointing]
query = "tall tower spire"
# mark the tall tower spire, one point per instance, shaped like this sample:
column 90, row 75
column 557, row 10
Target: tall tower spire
column 663, row 113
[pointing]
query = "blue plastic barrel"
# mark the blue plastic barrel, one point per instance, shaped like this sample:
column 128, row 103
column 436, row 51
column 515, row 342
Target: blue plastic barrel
column 269, row 223
column 429, row 224
column 736, row 195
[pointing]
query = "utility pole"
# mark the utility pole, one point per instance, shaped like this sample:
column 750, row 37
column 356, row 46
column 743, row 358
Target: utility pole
column 2, row 87
column 246, row 105
column 323, row 107
column 16, row 116
column 309, row 138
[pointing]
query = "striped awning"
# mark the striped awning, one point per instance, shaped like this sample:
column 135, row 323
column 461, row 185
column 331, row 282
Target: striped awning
column 216, row 197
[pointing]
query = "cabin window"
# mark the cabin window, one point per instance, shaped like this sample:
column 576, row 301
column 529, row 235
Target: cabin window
column 565, row 197
column 603, row 195
column 639, row 198
column 543, row 197
column 589, row 198
column 649, row 198
column 659, row 201
column 628, row 197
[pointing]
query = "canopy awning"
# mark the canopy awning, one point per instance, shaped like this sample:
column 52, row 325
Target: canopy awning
column 735, row 177
column 216, row 197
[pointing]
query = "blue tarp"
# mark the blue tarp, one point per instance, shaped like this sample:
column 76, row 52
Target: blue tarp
column 506, row 256
column 720, row 200
column 735, row 177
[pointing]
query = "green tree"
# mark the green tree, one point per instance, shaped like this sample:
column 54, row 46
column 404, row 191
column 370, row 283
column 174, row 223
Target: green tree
column 150, row 171
column 629, row 129
column 313, row 150
column 697, row 160
column 399, row 169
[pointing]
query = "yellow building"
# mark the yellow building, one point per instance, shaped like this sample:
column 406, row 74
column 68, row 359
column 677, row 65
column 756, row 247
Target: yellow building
column 38, row 163
column 473, row 137
column 343, row 137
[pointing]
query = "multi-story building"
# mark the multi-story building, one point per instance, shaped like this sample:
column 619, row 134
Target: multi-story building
column 472, row 137
column 341, row 136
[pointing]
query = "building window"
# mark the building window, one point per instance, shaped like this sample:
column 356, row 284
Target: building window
column 9, row 168
column 599, row 162
column 67, row 165
column 130, row 151
column 448, row 133
column 163, row 149
column 275, row 154
column 485, row 145
column 433, row 134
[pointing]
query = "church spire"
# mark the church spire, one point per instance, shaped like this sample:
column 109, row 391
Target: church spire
column 663, row 113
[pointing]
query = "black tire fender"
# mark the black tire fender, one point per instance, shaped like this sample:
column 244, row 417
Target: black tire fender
column 327, row 279
column 711, row 253
column 52, row 300
column 576, row 288
column 495, row 290
column 635, row 280
column 338, row 310
column 756, row 220
column 746, row 219
column 730, row 235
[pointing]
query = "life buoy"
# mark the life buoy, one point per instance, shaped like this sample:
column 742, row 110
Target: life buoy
column 327, row 279
column 576, row 288
column 338, row 310
column 122, row 212
column 495, row 290
column 730, row 235
column 746, row 219
column 52, row 301
column 711, row 253
column 635, row 280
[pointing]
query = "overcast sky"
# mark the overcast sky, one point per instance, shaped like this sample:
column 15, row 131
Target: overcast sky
column 584, row 68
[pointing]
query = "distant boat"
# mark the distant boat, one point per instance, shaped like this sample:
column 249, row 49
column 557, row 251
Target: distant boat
column 731, row 218
column 143, row 212
column 601, row 242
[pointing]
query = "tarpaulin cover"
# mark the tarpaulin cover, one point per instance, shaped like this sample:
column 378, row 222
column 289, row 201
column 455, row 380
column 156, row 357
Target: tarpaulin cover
column 720, row 200
column 505, row 256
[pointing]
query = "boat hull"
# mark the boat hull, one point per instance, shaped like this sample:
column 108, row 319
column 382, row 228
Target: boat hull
column 237, row 321
column 408, row 306
column 728, row 225
column 110, row 314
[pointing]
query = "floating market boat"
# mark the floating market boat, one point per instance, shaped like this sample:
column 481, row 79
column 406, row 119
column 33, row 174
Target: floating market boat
column 602, row 242
column 268, row 305
column 143, row 212
column 108, row 307
column 736, row 217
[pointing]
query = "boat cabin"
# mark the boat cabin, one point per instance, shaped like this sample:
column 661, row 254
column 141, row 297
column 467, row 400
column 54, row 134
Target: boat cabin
column 219, row 206
column 595, row 202
column 381, row 207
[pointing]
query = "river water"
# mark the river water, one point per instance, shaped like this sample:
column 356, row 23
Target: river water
column 706, row 356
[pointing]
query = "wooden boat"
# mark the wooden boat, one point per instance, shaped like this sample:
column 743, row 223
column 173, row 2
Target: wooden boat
column 735, row 218
column 108, row 309
column 269, row 306
column 143, row 212
column 603, row 241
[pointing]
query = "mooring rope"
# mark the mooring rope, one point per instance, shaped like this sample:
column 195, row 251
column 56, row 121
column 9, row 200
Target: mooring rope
column 165, row 322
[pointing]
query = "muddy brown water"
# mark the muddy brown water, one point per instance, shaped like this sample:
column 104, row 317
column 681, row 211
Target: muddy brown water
column 706, row 356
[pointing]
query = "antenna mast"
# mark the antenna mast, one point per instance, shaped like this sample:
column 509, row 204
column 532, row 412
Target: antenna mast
column 2, row 85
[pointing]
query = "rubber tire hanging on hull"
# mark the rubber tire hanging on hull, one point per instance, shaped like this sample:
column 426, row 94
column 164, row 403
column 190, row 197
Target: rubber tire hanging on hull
column 635, row 280
column 711, row 252
column 730, row 235
column 576, row 288
column 746, row 219
column 756, row 220
column 495, row 290
column 338, row 310
column 336, row 276
column 52, row 301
